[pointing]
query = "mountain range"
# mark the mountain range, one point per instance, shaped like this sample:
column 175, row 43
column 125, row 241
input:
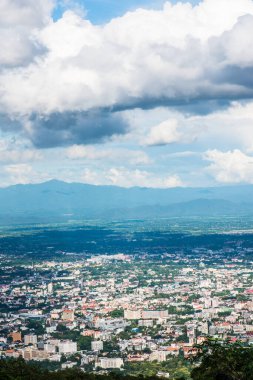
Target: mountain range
column 60, row 201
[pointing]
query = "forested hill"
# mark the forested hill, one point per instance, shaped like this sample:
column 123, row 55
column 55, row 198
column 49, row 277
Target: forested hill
column 60, row 200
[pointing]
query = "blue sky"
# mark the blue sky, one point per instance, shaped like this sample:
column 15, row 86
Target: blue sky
column 100, row 11
column 157, row 97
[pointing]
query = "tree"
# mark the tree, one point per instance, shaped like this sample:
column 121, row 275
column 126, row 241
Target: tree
column 223, row 361
column 84, row 343
column 36, row 326
column 117, row 313
column 182, row 374
column 18, row 369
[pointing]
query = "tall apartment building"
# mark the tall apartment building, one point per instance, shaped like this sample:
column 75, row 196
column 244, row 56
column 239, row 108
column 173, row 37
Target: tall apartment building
column 108, row 363
column 67, row 347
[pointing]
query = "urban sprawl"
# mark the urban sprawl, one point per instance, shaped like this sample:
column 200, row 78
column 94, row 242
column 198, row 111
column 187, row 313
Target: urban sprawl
column 122, row 312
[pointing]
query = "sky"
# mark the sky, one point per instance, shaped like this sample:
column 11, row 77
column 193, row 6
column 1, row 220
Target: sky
column 125, row 92
column 102, row 11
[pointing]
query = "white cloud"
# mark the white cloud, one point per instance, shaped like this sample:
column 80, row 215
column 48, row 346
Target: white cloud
column 230, row 167
column 19, row 21
column 62, row 82
column 230, row 128
column 184, row 154
column 77, row 152
column 22, row 173
column 19, row 173
column 124, row 177
column 236, row 44
column 13, row 151
column 19, row 155
column 134, row 157
column 144, row 56
column 164, row 133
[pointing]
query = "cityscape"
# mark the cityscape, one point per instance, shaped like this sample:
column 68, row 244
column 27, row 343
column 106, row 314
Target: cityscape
column 134, row 314
column 126, row 189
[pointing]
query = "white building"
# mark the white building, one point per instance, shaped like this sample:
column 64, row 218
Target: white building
column 50, row 287
column 146, row 323
column 164, row 375
column 111, row 324
column 132, row 314
column 154, row 314
column 30, row 339
column 145, row 314
column 49, row 347
column 67, row 347
column 159, row 356
column 50, row 329
column 97, row 345
column 107, row 363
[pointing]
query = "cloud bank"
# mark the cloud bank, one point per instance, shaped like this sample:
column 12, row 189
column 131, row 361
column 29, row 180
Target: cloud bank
column 71, row 69
column 166, row 93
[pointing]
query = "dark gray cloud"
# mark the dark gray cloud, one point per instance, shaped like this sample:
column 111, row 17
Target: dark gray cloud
column 242, row 76
column 67, row 128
